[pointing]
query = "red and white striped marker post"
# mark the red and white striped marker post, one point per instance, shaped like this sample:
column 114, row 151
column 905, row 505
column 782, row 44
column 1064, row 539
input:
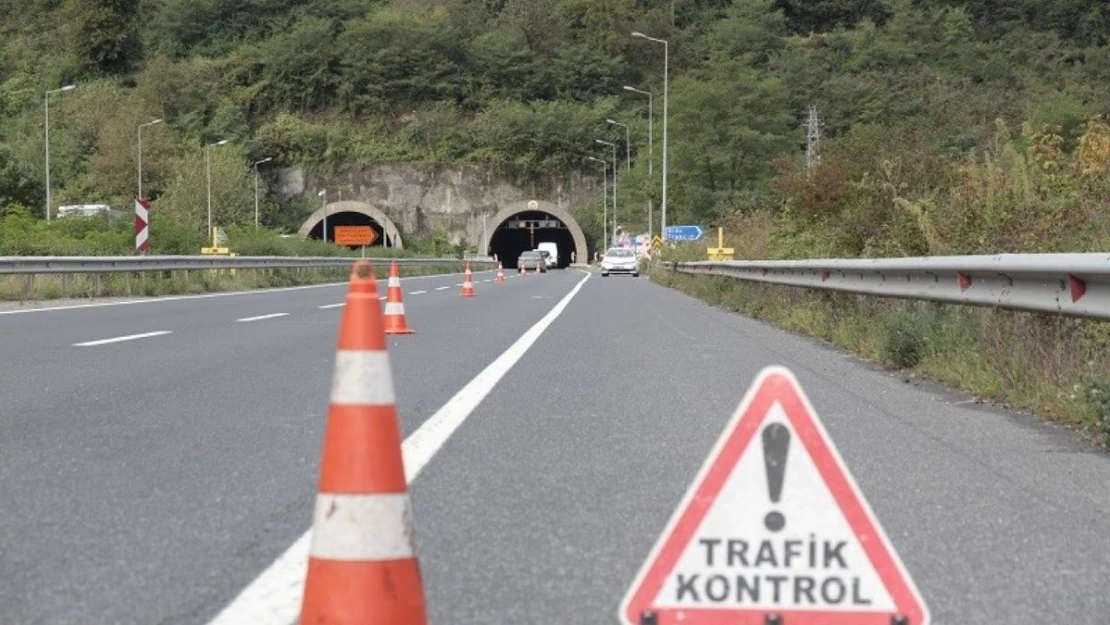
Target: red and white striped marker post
column 142, row 226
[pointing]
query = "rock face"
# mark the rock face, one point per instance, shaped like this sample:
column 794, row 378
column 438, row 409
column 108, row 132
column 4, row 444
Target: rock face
column 423, row 199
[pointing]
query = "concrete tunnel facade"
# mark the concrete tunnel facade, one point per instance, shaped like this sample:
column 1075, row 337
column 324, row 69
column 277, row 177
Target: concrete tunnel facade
column 381, row 222
column 573, row 239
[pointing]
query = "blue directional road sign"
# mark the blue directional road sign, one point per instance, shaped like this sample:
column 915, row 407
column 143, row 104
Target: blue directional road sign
column 683, row 233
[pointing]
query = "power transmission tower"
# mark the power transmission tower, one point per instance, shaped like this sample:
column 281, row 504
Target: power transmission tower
column 813, row 138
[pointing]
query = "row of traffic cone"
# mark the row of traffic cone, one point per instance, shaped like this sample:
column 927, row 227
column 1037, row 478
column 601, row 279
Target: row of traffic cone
column 395, row 321
column 362, row 564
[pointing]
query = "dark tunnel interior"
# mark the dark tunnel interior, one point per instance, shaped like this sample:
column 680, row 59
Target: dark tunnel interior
column 519, row 233
column 349, row 219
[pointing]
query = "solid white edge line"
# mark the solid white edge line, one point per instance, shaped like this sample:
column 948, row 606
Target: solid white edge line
column 274, row 597
column 261, row 317
column 120, row 339
column 177, row 298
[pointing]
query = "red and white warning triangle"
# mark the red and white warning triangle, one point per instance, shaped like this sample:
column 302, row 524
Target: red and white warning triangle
column 773, row 530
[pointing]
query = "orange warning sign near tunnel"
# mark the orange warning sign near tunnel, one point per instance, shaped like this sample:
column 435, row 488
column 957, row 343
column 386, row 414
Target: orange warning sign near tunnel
column 773, row 529
column 355, row 235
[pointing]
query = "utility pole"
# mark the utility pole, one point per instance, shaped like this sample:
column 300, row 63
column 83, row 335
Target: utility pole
column 208, row 172
column 651, row 149
column 153, row 123
column 324, row 194
column 46, row 141
column 604, row 198
column 813, row 138
column 666, row 91
column 255, row 166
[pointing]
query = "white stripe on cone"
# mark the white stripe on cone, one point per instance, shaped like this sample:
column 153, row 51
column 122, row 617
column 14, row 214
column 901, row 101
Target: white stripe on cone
column 394, row 308
column 360, row 527
column 362, row 378
column 394, row 281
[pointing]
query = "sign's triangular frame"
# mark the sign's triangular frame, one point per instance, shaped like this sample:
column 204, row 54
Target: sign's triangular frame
column 774, row 384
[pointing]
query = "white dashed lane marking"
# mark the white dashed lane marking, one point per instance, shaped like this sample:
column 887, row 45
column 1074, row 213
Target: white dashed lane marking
column 261, row 317
column 120, row 339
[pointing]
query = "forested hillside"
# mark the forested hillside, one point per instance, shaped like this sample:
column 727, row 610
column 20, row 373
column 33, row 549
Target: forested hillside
column 948, row 126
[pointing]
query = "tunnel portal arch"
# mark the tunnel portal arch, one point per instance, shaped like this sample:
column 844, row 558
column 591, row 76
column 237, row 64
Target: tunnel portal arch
column 389, row 232
column 508, row 211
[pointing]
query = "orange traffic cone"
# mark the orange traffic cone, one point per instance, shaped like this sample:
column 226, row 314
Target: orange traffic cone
column 468, row 283
column 362, row 567
column 500, row 273
column 395, row 322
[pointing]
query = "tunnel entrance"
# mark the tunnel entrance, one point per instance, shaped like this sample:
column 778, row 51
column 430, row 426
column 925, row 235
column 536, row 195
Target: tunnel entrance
column 525, row 231
column 353, row 213
column 350, row 219
column 523, row 226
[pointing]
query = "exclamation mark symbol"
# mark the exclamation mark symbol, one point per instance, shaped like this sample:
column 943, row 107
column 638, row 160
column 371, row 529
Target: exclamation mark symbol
column 776, row 443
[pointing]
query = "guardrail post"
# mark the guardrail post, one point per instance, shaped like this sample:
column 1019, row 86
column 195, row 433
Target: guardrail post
column 127, row 283
column 99, row 285
column 65, row 285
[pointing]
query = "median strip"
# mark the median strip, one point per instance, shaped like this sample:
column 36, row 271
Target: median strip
column 261, row 317
column 120, row 339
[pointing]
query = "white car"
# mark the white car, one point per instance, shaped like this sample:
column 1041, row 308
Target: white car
column 620, row 260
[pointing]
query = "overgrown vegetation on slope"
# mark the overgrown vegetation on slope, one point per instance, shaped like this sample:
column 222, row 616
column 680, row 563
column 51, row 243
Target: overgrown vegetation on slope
column 912, row 94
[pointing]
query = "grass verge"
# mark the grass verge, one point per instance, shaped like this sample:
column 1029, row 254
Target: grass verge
column 135, row 284
column 1055, row 367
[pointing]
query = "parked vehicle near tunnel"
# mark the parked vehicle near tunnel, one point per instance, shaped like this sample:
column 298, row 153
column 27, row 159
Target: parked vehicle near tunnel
column 552, row 250
column 532, row 260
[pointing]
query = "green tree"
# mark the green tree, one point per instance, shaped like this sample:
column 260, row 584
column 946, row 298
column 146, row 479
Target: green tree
column 826, row 15
column 18, row 186
column 185, row 201
column 397, row 57
column 106, row 35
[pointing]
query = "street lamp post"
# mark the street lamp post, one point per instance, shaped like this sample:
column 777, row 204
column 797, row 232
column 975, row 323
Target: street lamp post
column 146, row 125
column 666, row 71
column 208, row 170
column 46, row 106
column 651, row 150
column 627, row 143
column 324, row 194
column 256, row 164
column 614, row 146
column 604, row 197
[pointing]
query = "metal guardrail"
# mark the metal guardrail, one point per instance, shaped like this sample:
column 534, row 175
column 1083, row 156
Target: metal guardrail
column 30, row 265
column 1076, row 285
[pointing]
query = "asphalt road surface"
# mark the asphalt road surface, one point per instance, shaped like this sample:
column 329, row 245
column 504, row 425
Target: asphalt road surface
column 156, row 458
